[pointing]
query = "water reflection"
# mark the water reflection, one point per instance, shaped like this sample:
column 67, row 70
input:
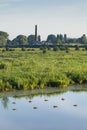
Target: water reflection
column 51, row 109
column 5, row 102
column 29, row 95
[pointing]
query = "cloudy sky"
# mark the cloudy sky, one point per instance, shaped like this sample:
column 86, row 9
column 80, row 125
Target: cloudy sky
column 51, row 16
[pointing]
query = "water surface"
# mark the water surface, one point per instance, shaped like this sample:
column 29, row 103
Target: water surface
column 49, row 109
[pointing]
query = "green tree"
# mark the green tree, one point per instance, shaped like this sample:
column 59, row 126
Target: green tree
column 3, row 41
column 39, row 38
column 31, row 39
column 55, row 48
column 4, row 34
column 3, row 38
column 61, row 38
column 77, row 47
column 52, row 38
column 58, row 39
column 84, row 39
column 20, row 40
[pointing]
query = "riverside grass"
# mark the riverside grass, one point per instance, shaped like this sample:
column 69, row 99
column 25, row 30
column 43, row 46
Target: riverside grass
column 32, row 69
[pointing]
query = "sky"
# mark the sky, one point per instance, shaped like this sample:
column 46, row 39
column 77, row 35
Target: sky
column 51, row 16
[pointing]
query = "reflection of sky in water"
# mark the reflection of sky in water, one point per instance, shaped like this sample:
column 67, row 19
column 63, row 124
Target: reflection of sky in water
column 65, row 117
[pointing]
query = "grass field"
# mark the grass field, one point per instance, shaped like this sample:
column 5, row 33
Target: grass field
column 35, row 69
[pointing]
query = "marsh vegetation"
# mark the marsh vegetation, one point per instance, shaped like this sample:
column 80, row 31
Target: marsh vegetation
column 30, row 69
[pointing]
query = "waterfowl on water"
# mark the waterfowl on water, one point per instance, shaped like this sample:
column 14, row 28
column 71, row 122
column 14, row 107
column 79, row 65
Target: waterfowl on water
column 14, row 109
column 75, row 105
column 30, row 101
column 55, row 106
column 13, row 102
column 62, row 99
column 34, row 107
column 45, row 100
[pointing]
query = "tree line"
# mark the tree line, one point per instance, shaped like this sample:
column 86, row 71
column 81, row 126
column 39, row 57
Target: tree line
column 61, row 39
column 30, row 40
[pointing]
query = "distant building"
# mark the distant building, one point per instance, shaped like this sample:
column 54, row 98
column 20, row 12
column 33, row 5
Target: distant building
column 36, row 37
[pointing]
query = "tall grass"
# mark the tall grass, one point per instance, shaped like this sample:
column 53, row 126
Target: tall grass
column 35, row 69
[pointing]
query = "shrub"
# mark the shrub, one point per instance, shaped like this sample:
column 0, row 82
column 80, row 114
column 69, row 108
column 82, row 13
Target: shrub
column 23, row 49
column 63, row 48
column 43, row 47
column 2, row 66
column 76, row 47
column 55, row 48
column 33, row 49
column 58, row 80
column 49, row 48
column 86, row 48
column 67, row 51
column 7, row 48
column 78, row 77
column 11, row 49
column 44, row 51
column 3, row 50
column 28, row 49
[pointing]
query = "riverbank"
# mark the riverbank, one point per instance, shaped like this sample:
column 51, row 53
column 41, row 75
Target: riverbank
column 33, row 69
column 44, row 92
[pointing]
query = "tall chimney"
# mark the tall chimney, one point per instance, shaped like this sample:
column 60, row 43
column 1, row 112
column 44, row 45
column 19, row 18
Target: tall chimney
column 35, row 33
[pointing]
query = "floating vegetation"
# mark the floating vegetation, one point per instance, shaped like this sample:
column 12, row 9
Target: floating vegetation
column 13, row 102
column 55, row 106
column 35, row 107
column 14, row 109
column 62, row 99
column 30, row 101
column 45, row 100
column 75, row 105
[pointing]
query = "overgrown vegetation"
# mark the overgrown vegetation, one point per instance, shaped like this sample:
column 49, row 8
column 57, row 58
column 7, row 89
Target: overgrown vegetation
column 35, row 68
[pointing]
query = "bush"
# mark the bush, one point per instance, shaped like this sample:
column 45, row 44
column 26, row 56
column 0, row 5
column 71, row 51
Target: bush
column 7, row 48
column 11, row 49
column 28, row 49
column 3, row 50
column 44, row 51
column 49, row 48
column 2, row 66
column 76, row 47
column 67, row 51
column 62, row 48
column 86, row 48
column 43, row 47
column 78, row 77
column 23, row 49
column 33, row 49
column 55, row 48
column 58, row 80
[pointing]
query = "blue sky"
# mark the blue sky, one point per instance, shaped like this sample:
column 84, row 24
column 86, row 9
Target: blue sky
column 51, row 16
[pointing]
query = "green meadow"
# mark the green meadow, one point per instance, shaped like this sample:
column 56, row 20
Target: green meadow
column 33, row 68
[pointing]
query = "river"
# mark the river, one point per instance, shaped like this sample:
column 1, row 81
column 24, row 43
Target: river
column 48, row 109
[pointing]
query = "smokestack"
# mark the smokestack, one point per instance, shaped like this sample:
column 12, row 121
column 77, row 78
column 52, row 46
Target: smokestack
column 35, row 33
